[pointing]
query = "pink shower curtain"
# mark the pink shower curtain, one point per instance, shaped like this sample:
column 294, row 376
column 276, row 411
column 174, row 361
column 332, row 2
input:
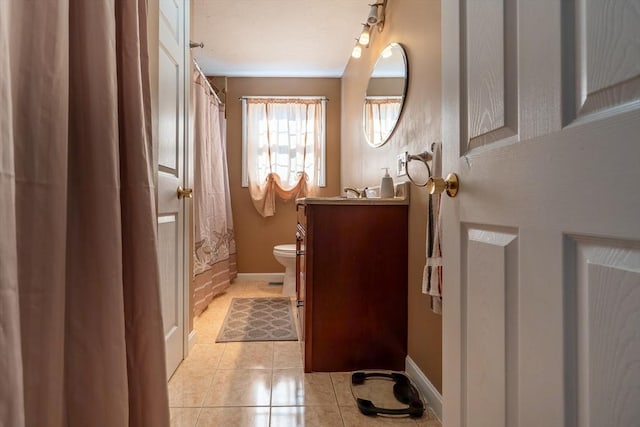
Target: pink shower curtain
column 81, row 333
column 215, row 248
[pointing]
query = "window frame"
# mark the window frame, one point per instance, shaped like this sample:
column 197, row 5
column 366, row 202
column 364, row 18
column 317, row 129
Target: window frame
column 322, row 179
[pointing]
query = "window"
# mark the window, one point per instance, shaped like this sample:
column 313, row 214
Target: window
column 286, row 137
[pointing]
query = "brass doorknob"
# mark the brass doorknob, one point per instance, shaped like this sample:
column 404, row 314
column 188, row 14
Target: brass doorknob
column 187, row 193
column 438, row 185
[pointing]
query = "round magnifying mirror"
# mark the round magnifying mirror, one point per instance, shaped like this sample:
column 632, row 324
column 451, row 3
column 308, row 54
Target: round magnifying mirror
column 385, row 95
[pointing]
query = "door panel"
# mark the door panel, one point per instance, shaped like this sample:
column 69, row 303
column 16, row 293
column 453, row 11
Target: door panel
column 168, row 231
column 490, row 294
column 490, row 71
column 171, row 174
column 171, row 15
column 169, row 108
column 608, row 67
column 605, row 314
column 541, row 117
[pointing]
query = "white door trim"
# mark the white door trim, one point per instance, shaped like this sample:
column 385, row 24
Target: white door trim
column 189, row 339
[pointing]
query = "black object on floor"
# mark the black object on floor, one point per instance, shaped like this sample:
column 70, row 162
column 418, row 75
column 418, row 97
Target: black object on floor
column 403, row 391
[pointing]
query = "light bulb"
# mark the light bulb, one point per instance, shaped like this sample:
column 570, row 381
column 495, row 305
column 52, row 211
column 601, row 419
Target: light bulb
column 357, row 51
column 364, row 35
column 387, row 52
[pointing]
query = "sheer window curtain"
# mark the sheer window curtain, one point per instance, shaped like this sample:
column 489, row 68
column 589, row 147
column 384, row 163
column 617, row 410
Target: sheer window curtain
column 380, row 116
column 284, row 149
column 215, row 249
column 81, row 332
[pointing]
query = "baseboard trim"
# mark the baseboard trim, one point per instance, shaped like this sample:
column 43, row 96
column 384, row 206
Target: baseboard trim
column 428, row 390
column 253, row 277
column 193, row 339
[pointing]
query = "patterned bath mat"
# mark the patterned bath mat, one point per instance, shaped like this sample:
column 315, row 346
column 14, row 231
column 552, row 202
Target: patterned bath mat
column 258, row 319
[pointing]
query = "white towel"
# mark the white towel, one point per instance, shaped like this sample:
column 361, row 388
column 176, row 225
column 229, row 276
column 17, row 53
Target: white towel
column 432, row 274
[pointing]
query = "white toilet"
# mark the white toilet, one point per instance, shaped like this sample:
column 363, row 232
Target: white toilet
column 286, row 255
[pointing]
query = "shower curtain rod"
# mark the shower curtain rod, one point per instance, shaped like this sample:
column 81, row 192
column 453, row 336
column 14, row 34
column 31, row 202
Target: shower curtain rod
column 207, row 81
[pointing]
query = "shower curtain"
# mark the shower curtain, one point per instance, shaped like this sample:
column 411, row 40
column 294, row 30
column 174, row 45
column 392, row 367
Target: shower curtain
column 81, row 334
column 214, row 243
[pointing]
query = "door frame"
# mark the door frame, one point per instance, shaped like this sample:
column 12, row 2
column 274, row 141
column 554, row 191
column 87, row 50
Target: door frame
column 188, row 183
column 451, row 316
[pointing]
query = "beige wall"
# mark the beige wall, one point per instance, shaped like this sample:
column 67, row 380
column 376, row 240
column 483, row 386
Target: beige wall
column 415, row 24
column 385, row 86
column 256, row 236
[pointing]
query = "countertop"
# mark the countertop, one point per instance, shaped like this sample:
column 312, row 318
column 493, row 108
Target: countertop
column 401, row 190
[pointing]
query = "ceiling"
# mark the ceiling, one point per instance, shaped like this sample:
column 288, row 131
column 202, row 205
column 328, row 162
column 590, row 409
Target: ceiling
column 276, row 38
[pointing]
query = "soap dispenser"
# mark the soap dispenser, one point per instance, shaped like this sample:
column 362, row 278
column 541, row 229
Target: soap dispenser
column 386, row 185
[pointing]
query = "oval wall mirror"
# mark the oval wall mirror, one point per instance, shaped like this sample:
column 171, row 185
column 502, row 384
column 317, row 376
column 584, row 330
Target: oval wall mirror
column 385, row 95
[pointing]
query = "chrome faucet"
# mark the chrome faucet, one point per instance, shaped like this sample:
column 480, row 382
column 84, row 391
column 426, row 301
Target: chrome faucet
column 360, row 194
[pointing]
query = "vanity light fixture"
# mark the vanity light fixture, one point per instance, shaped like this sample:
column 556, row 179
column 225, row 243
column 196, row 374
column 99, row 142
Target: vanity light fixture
column 374, row 19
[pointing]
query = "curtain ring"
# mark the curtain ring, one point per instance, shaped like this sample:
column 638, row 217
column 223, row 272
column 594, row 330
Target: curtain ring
column 424, row 157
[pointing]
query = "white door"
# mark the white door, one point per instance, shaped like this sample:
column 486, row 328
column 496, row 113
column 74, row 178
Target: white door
column 171, row 175
column 541, row 246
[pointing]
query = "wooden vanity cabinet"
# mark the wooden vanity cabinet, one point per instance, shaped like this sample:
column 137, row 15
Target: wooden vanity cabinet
column 352, row 286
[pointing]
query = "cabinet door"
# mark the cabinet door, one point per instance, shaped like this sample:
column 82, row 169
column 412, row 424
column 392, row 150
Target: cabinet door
column 356, row 287
column 301, row 268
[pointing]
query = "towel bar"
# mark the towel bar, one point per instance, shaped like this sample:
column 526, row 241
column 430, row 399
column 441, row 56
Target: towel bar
column 424, row 157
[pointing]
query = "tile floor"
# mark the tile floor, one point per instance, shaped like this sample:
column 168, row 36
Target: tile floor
column 260, row 383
